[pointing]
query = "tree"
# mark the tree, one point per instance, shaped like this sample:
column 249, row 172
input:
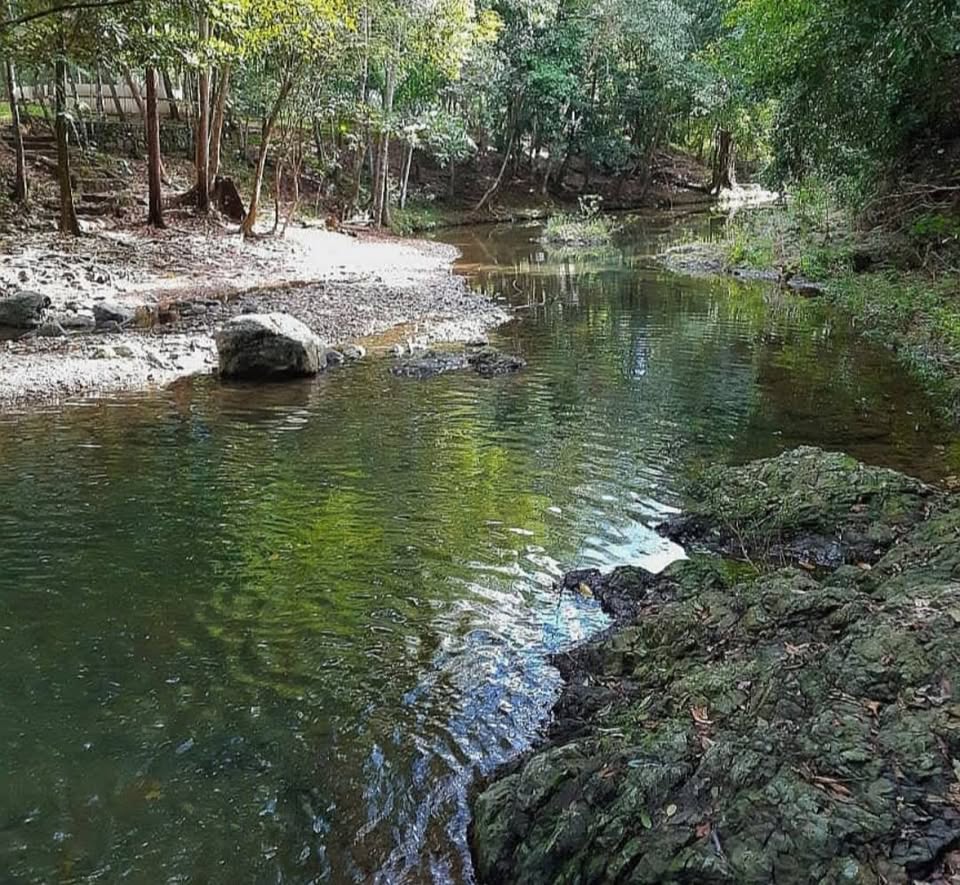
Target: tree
column 21, row 191
column 155, row 211
column 283, row 40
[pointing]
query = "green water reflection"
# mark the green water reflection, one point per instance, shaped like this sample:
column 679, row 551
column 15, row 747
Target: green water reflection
column 270, row 634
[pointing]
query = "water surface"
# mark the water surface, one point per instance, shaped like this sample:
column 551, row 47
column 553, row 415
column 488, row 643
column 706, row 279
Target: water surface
column 271, row 633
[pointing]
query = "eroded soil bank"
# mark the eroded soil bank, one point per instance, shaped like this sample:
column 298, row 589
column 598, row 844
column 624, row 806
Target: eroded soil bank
column 170, row 291
column 784, row 706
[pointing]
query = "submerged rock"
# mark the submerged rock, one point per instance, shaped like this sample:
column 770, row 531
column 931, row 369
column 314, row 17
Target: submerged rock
column 354, row 352
column 753, row 727
column 486, row 362
column 23, row 309
column 489, row 362
column 266, row 346
column 429, row 364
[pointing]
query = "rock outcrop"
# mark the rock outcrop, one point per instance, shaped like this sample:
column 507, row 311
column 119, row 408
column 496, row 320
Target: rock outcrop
column 789, row 725
column 268, row 346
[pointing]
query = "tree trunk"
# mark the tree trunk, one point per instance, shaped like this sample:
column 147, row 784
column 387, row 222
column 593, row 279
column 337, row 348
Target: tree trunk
column 405, row 181
column 135, row 93
column 117, row 103
column 277, row 186
column 219, row 114
column 68, row 213
column 249, row 223
column 41, row 99
column 724, row 162
column 203, row 123
column 154, row 172
column 496, row 184
column 101, row 112
column 20, row 190
column 171, row 101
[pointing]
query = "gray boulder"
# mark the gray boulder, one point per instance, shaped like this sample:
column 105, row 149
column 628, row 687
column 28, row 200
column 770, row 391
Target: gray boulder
column 23, row 309
column 268, row 345
column 107, row 312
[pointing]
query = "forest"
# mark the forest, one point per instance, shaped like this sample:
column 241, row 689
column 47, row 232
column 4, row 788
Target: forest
column 346, row 98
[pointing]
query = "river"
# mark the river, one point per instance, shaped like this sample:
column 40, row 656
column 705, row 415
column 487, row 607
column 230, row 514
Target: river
column 273, row 633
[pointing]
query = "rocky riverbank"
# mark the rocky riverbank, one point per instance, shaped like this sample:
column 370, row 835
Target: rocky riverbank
column 118, row 319
column 782, row 707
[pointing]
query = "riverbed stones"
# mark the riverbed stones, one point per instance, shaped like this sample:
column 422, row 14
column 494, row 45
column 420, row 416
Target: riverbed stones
column 354, row 352
column 268, row 346
column 752, row 726
column 23, row 309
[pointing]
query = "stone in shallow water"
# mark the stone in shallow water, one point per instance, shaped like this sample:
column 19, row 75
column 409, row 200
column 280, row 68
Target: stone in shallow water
column 268, row 346
column 354, row 351
column 487, row 362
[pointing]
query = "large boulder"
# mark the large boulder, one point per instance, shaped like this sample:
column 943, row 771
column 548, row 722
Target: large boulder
column 268, row 345
column 23, row 309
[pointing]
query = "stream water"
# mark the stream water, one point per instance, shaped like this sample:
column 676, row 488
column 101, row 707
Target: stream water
column 271, row 634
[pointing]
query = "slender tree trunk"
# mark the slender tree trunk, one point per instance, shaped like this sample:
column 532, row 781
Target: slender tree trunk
column 100, row 110
column 135, row 93
column 42, row 100
column 203, row 123
column 250, row 221
column 169, row 92
column 154, row 170
column 496, row 184
column 277, row 187
column 68, row 213
column 117, row 103
column 406, row 176
column 216, row 133
column 21, row 191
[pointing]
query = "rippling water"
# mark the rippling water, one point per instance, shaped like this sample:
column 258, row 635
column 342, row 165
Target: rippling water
column 273, row 633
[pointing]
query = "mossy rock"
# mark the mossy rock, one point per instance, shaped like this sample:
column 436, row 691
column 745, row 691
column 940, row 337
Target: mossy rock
column 806, row 506
column 754, row 727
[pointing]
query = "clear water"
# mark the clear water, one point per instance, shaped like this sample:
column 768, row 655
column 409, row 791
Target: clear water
column 271, row 634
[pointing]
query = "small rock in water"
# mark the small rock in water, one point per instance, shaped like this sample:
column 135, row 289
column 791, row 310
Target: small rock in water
column 489, row 362
column 354, row 352
column 335, row 358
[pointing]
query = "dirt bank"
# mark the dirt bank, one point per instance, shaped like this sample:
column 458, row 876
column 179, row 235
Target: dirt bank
column 179, row 285
column 789, row 715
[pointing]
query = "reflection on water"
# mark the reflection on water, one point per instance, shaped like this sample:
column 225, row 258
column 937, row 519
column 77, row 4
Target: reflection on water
column 271, row 634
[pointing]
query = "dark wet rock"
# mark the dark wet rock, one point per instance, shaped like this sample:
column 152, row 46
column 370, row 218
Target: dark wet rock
column 335, row 358
column 430, row 364
column 354, row 352
column 489, row 362
column 747, row 727
column 267, row 346
column 107, row 313
column 805, row 506
column 23, row 309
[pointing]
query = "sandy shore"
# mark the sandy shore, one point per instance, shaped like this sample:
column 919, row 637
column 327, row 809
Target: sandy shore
column 186, row 283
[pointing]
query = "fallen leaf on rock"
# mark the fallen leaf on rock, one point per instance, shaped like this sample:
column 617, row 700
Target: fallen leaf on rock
column 585, row 591
column 701, row 715
column 671, row 810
